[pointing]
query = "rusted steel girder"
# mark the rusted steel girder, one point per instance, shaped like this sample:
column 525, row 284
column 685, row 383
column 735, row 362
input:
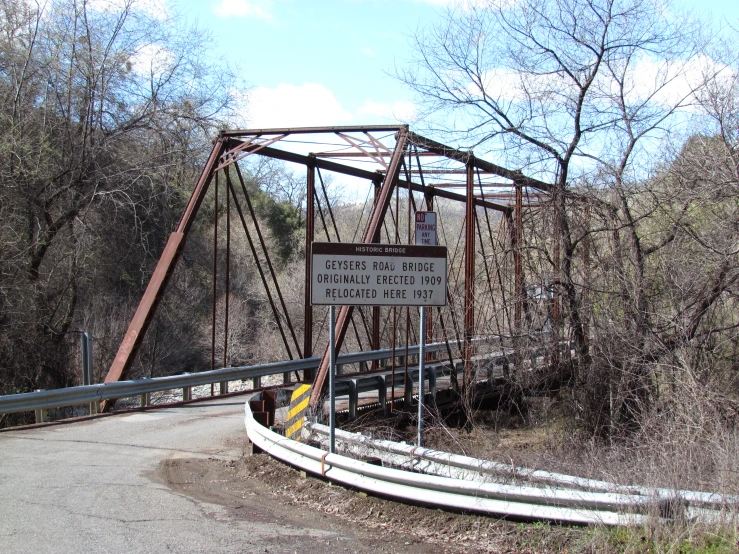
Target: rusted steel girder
column 214, row 295
column 469, row 275
column 376, row 309
column 310, row 229
column 363, row 174
column 517, row 235
column 228, row 280
column 372, row 235
column 168, row 260
column 308, row 130
column 460, row 156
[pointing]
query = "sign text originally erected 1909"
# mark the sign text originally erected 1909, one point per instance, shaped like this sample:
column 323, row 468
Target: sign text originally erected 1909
column 378, row 274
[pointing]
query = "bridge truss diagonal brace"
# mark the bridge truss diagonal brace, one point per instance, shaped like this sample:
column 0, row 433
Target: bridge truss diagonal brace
column 372, row 235
column 165, row 267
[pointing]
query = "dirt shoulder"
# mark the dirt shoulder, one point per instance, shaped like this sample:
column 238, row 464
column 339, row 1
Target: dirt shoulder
column 262, row 489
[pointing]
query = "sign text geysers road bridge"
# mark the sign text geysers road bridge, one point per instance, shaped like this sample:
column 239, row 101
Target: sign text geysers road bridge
column 378, row 274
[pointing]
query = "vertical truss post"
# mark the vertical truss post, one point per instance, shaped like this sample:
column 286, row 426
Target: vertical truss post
column 408, row 393
column 214, row 290
column 430, row 356
column 586, row 284
column 372, row 235
column 555, row 284
column 469, row 276
column 310, row 229
column 224, row 384
column 517, row 231
column 376, row 309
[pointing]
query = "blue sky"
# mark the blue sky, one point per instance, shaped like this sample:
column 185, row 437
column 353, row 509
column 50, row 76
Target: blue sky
column 326, row 62
column 316, row 62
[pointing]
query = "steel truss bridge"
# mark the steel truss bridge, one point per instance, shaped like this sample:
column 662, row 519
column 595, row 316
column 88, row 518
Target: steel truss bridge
column 403, row 172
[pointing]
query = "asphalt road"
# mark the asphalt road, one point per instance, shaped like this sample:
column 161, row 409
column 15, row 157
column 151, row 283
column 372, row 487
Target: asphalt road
column 96, row 486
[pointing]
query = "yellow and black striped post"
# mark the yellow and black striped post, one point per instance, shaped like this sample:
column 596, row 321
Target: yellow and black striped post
column 296, row 415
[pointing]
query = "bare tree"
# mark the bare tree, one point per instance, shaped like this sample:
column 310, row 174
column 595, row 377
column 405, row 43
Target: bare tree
column 586, row 95
column 106, row 108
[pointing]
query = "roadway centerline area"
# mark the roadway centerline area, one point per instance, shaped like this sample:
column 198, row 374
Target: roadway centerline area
column 120, row 484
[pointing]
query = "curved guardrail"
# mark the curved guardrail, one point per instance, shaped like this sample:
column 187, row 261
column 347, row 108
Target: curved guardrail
column 458, row 466
column 526, row 502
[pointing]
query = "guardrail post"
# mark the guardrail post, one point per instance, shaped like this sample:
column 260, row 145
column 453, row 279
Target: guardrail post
column 256, row 382
column 144, row 399
column 382, row 393
column 408, row 398
column 286, row 377
column 432, row 384
column 87, row 374
column 224, row 387
column 186, row 392
column 41, row 412
column 353, row 399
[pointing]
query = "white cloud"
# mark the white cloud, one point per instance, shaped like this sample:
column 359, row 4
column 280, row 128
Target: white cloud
column 466, row 4
column 244, row 8
column 154, row 8
column 663, row 83
column 290, row 105
column 368, row 52
column 673, row 83
column 152, row 59
column 400, row 111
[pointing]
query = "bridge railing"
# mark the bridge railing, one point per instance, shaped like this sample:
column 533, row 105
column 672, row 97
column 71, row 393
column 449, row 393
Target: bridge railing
column 94, row 394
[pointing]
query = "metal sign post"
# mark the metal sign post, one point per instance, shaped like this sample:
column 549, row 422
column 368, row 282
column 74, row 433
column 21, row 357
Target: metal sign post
column 332, row 379
column 425, row 235
column 421, row 368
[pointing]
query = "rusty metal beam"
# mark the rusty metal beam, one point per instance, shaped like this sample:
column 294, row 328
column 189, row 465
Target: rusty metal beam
column 469, row 275
column 364, row 174
column 517, row 235
column 460, row 156
column 362, row 155
column 372, row 235
column 556, row 258
column 214, row 290
column 376, row 309
column 168, row 260
column 449, row 172
column 228, row 280
column 308, row 130
column 441, row 193
column 310, row 227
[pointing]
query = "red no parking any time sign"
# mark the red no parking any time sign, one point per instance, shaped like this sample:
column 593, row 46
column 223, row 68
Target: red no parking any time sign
column 426, row 228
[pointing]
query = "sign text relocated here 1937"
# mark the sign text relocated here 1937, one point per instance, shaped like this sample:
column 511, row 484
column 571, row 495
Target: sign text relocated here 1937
column 378, row 274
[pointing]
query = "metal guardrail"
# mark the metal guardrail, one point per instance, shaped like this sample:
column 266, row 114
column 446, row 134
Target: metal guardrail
column 92, row 394
column 447, row 464
column 433, row 478
column 460, row 494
